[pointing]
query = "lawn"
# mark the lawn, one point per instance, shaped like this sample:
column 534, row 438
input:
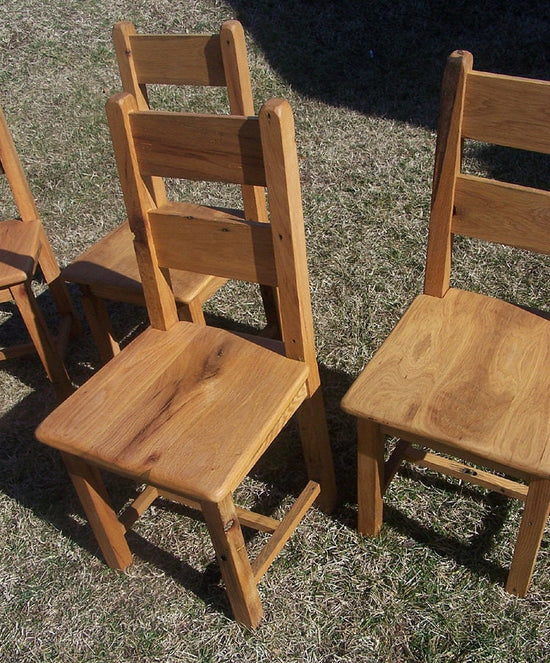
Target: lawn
column 363, row 80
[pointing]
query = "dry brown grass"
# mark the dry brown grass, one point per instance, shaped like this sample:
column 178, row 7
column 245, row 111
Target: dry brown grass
column 430, row 587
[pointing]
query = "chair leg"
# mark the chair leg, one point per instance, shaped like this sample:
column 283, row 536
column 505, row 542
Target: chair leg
column 100, row 325
column 225, row 531
column 192, row 312
column 42, row 339
column 52, row 275
column 370, row 476
column 271, row 308
column 108, row 531
column 531, row 529
column 316, row 448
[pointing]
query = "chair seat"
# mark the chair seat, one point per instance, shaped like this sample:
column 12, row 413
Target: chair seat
column 190, row 410
column 110, row 269
column 19, row 251
column 468, row 371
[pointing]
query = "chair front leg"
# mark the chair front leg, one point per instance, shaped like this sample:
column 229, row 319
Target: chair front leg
column 42, row 339
column 108, row 531
column 531, row 529
column 370, row 476
column 225, row 531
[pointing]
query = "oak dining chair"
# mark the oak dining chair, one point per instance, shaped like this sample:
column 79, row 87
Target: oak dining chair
column 189, row 409
column 463, row 374
column 24, row 247
column 108, row 269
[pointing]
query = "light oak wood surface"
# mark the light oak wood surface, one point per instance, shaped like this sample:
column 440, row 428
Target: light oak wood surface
column 167, row 423
column 467, row 371
column 464, row 374
column 24, row 245
column 188, row 409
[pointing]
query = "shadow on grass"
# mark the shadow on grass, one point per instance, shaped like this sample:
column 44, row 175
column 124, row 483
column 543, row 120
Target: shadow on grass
column 386, row 58
column 34, row 475
column 471, row 554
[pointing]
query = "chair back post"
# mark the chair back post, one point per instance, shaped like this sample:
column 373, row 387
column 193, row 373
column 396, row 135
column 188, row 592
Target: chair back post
column 11, row 165
column 239, row 90
column 447, row 166
column 289, row 245
column 137, row 197
column 123, row 31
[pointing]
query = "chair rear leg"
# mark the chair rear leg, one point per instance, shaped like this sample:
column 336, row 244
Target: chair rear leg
column 100, row 325
column 531, row 529
column 316, row 447
column 108, row 531
column 192, row 312
column 225, row 531
column 52, row 275
column 42, row 339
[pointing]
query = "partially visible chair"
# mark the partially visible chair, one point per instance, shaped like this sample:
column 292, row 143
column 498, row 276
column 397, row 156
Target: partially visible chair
column 189, row 409
column 23, row 246
column 462, row 373
column 108, row 270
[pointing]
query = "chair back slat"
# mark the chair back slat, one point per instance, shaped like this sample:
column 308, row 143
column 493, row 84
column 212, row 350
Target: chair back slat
column 501, row 110
column 168, row 59
column 232, row 149
column 507, row 111
column 198, row 147
column 500, row 212
column 223, row 246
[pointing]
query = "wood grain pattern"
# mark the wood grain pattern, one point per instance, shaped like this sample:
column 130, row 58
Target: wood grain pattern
column 221, row 245
column 468, row 371
column 168, row 59
column 171, row 428
column 506, row 213
column 183, row 145
column 464, row 374
column 191, row 409
column 509, row 111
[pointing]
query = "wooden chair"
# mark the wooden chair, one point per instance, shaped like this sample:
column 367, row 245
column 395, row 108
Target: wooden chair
column 462, row 373
column 108, row 270
column 23, row 246
column 189, row 409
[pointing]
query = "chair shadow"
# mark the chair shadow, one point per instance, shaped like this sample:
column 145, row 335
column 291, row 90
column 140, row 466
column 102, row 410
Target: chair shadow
column 34, row 475
column 386, row 59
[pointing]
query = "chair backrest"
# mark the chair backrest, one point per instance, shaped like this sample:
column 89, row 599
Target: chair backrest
column 500, row 110
column 10, row 165
column 189, row 60
column 255, row 151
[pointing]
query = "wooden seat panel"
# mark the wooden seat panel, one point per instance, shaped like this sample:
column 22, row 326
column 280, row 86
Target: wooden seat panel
column 444, row 376
column 193, row 421
column 19, row 251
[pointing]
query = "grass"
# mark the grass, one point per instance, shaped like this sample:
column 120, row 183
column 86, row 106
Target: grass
column 363, row 81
